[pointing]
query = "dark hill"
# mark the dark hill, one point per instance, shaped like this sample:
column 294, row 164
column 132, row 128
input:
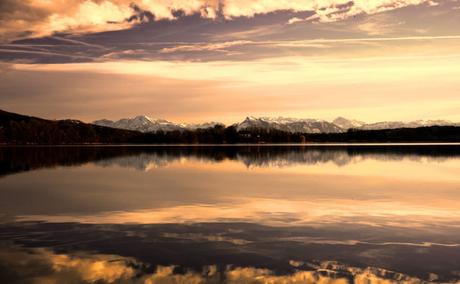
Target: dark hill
column 21, row 129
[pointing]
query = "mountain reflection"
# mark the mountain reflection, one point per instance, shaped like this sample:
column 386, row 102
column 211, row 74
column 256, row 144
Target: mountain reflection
column 19, row 159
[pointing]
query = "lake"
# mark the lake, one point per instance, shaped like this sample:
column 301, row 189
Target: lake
column 230, row 214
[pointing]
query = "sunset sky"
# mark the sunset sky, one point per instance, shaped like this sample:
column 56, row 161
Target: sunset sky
column 202, row 60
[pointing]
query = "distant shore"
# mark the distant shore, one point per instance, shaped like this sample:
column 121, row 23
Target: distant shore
column 16, row 129
column 237, row 144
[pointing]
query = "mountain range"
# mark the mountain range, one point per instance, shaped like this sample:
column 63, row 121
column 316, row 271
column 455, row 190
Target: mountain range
column 145, row 124
column 23, row 129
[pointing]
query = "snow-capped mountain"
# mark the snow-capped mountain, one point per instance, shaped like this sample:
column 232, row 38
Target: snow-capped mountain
column 400, row 124
column 144, row 123
column 140, row 123
column 345, row 123
column 289, row 125
column 340, row 124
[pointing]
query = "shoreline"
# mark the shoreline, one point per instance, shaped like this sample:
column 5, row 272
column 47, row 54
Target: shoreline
column 327, row 144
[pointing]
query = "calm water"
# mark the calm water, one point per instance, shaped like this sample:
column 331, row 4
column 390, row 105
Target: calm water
column 230, row 214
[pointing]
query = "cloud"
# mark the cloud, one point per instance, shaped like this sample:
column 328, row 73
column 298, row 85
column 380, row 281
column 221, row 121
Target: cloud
column 41, row 18
column 278, row 70
column 218, row 46
column 379, row 25
column 332, row 11
column 295, row 20
column 37, row 18
column 224, row 46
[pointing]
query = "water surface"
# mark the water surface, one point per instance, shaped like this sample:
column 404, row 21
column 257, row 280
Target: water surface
column 288, row 214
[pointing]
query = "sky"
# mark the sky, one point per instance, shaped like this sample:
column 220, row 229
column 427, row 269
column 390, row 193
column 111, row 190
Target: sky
column 222, row 60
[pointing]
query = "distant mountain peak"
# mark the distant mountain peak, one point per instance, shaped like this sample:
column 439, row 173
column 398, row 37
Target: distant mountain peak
column 346, row 123
column 251, row 118
column 142, row 117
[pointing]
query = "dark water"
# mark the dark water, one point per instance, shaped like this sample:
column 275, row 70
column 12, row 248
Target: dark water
column 283, row 214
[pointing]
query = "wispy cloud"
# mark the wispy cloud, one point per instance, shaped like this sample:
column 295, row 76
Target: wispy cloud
column 272, row 71
column 44, row 52
column 332, row 11
column 205, row 46
column 311, row 43
column 79, row 49
column 407, row 38
column 78, row 42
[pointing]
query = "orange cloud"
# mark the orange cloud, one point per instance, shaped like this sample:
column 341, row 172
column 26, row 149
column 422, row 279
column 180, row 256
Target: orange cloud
column 45, row 17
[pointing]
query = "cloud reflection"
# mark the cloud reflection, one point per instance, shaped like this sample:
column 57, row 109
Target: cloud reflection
column 45, row 266
column 277, row 212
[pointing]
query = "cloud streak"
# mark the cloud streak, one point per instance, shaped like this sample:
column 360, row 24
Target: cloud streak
column 37, row 18
column 218, row 46
column 313, row 43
